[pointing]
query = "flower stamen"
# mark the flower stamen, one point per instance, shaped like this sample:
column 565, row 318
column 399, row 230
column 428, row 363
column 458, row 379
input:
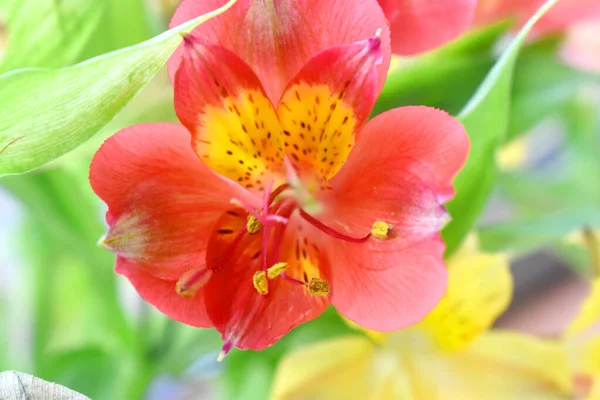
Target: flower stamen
column 253, row 225
column 381, row 230
column 260, row 280
column 191, row 281
column 330, row 231
column 293, row 280
column 318, row 287
column 280, row 189
column 276, row 270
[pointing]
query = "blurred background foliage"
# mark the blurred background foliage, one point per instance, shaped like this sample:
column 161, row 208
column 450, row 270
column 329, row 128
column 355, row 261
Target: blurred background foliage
column 68, row 318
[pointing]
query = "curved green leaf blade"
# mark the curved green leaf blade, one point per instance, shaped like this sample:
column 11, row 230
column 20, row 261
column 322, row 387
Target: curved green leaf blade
column 46, row 113
column 430, row 79
column 486, row 119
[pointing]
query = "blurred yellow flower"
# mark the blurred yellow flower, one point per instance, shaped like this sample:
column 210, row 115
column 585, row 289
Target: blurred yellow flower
column 451, row 354
column 512, row 156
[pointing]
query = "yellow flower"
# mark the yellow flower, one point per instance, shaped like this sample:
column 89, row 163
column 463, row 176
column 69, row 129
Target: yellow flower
column 512, row 156
column 451, row 354
column 582, row 345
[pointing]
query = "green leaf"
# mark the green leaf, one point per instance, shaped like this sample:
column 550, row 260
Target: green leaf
column 49, row 33
column 543, row 84
column 485, row 118
column 444, row 78
column 46, row 113
column 527, row 234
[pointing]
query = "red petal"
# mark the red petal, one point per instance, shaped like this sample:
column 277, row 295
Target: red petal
column 234, row 126
column 386, row 285
column 276, row 38
column 420, row 141
column 418, row 26
column 325, row 105
column 161, row 294
column 162, row 201
column 245, row 318
column 559, row 17
column 399, row 172
column 564, row 14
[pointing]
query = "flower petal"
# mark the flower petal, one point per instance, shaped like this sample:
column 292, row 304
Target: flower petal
column 276, row 38
column 399, row 172
column 421, row 25
column 346, row 362
column 408, row 145
column 246, row 318
column 479, row 290
column 161, row 294
column 162, row 202
column 234, row 126
column 541, row 363
column 325, row 105
column 498, row 366
column 385, row 285
column 562, row 15
column 589, row 314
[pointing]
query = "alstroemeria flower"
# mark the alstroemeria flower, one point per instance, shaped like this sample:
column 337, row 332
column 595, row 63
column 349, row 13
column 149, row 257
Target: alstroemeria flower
column 450, row 355
column 276, row 197
column 420, row 25
column 562, row 15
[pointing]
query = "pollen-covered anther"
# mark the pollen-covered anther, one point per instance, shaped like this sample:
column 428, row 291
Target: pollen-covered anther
column 259, row 280
column 192, row 281
column 276, row 270
column 318, row 287
column 253, row 225
column 381, row 230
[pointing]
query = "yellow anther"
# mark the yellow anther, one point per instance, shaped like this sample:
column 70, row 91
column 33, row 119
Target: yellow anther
column 276, row 269
column 381, row 230
column 318, row 287
column 253, row 225
column 192, row 281
column 260, row 282
column 260, row 278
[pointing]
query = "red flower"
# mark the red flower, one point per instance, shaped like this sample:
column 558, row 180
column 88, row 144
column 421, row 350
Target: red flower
column 287, row 199
column 563, row 14
column 420, row 25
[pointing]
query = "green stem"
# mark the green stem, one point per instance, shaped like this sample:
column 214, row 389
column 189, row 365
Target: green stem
column 592, row 242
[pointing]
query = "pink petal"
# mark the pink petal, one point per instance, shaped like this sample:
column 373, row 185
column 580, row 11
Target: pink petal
column 161, row 294
column 387, row 286
column 276, row 38
column 234, row 126
column 326, row 104
column 246, row 318
column 162, row 201
column 562, row 15
column 399, row 172
column 421, row 25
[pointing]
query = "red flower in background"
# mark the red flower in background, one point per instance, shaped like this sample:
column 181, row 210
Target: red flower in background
column 286, row 200
column 563, row 14
column 421, row 25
